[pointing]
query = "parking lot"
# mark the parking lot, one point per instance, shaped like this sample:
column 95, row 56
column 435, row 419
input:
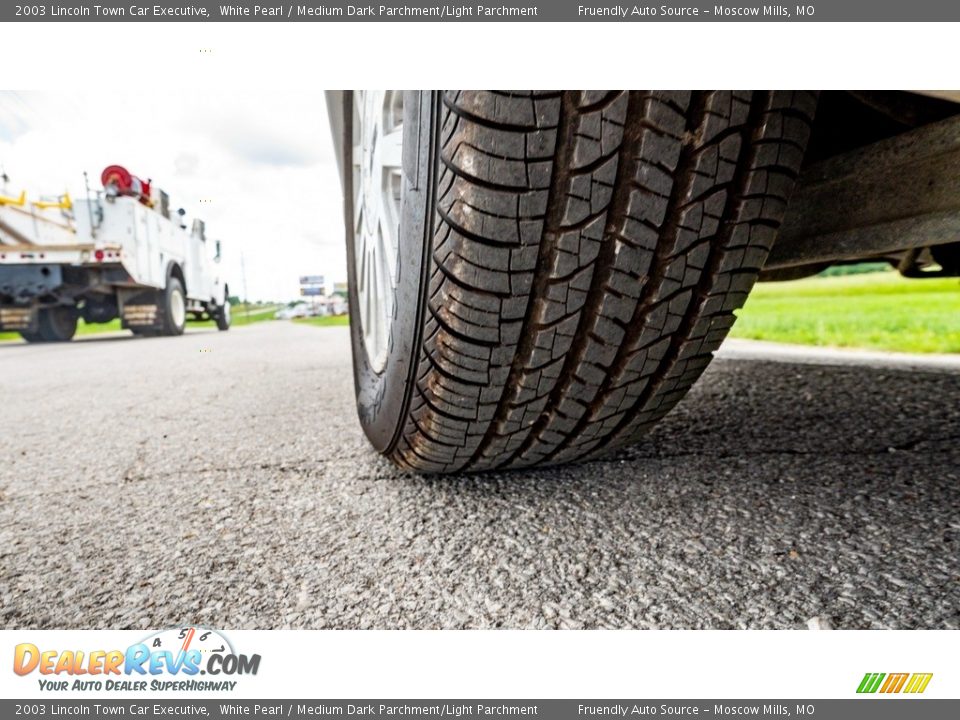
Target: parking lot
column 222, row 479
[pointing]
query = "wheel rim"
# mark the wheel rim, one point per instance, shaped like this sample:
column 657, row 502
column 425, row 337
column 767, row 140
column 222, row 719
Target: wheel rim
column 226, row 311
column 377, row 183
column 178, row 309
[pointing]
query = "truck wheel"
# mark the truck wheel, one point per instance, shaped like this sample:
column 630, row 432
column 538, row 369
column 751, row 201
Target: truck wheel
column 56, row 324
column 174, row 308
column 538, row 277
column 222, row 316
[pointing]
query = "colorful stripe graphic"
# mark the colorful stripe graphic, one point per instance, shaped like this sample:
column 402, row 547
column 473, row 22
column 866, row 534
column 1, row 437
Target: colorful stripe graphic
column 918, row 682
column 894, row 683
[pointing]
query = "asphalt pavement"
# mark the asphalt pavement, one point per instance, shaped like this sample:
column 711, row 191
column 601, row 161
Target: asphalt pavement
column 222, row 479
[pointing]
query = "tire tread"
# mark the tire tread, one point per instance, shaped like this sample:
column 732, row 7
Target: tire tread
column 589, row 251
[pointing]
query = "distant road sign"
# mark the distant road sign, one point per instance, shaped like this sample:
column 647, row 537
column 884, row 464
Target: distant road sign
column 311, row 280
column 311, row 291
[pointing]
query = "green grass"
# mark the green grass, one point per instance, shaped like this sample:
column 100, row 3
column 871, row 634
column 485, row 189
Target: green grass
column 882, row 311
column 324, row 321
column 242, row 315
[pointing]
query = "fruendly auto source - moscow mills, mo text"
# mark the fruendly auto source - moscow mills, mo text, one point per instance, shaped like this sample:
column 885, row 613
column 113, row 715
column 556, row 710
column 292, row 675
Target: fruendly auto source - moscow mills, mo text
column 685, row 11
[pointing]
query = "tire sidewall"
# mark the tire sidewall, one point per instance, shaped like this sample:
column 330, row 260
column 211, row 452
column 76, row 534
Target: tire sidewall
column 383, row 398
column 224, row 312
column 224, row 316
column 174, row 286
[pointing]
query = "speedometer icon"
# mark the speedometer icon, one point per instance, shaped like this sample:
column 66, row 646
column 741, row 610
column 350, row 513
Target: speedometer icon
column 183, row 639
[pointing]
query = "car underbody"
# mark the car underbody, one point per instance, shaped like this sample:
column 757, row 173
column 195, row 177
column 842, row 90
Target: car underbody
column 881, row 182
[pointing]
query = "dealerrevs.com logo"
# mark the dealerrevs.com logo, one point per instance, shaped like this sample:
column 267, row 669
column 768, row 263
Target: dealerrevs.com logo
column 169, row 660
column 910, row 683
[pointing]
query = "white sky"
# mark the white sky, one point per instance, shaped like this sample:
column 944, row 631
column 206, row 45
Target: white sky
column 265, row 160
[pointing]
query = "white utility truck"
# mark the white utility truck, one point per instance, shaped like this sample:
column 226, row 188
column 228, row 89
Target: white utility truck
column 120, row 253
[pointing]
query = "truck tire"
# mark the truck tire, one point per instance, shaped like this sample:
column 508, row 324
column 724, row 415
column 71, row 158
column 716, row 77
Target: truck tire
column 56, row 324
column 174, row 308
column 564, row 266
column 223, row 316
column 31, row 337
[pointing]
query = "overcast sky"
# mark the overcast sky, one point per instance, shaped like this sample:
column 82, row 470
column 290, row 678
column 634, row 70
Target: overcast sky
column 265, row 160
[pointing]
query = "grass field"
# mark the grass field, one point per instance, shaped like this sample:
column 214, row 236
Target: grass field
column 881, row 311
column 242, row 315
column 325, row 321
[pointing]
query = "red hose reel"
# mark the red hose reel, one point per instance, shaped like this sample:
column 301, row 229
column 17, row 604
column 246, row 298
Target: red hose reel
column 123, row 182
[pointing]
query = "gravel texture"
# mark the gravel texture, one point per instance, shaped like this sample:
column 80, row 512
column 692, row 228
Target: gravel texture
column 222, row 479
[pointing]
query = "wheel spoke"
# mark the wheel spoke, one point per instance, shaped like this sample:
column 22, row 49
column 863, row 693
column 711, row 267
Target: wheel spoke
column 391, row 149
column 392, row 108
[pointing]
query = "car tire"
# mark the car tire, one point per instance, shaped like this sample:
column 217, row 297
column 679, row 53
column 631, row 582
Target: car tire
column 56, row 324
column 564, row 266
column 174, row 308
